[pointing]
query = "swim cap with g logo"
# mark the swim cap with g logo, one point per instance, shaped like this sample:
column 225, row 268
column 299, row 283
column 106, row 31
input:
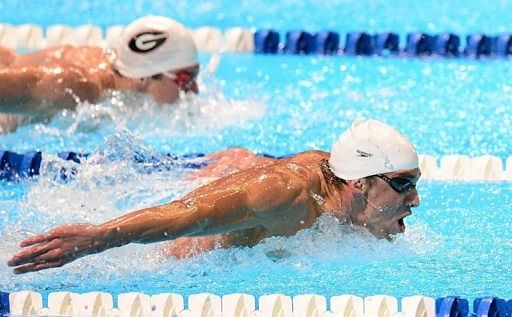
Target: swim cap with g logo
column 153, row 45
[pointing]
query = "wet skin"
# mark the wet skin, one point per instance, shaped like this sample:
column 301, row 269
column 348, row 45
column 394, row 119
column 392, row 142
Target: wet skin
column 47, row 81
column 265, row 198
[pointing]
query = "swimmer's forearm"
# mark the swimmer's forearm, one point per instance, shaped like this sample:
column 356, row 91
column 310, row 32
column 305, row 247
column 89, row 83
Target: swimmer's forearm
column 166, row 222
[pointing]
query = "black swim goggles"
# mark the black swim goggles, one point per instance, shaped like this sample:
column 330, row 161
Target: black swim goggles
column 399, row 184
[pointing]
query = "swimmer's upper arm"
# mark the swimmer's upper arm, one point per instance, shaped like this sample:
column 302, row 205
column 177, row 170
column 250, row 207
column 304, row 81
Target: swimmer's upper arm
column 22, row 88
column 15, row 89
column 244, row 200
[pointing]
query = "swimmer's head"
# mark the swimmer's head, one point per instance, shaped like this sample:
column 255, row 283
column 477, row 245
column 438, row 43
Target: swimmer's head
column 154, row 45
column 379, row 167
column 370, row 148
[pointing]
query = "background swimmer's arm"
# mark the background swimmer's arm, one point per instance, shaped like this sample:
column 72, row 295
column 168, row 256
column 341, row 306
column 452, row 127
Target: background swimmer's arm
column 15, row 90
column 22, row 90
column 249, row 199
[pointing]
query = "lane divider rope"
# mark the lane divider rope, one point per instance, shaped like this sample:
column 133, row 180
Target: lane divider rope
column 268, row 41
column 16, row 167
column 28, row 303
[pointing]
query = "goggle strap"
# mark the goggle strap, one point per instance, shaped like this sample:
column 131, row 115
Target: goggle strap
column 170, row 75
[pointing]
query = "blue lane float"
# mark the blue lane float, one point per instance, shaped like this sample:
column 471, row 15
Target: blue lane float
column 502, row 45
column 4, row 304
column 452, row 306
column 266, row 42
column 13, row 165
column 418, row 44
column 72, row 156
column 327, row 42
column 386, row 44
column 478, row 45
column 30, row 164
column 446, row 45
column 358, row 43
column 491, row 307
column 299, row 42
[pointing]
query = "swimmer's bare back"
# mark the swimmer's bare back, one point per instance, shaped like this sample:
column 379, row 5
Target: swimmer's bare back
column 58, row 77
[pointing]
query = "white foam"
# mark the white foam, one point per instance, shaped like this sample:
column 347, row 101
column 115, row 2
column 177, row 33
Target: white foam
column 202, row 114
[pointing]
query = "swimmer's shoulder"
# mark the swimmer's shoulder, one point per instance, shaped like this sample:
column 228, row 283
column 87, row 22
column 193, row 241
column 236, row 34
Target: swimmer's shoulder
column 83, row 57
column 7, row 56
column 306, row 165
column 310, row 157
column 94, row 66
column 91, row 58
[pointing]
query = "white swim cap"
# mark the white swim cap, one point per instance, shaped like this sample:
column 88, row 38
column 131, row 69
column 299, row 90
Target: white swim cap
column 369, row 148
column 153, row 45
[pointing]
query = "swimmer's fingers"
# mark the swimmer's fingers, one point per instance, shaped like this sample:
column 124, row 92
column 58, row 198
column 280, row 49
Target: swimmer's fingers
column 40, row 238
column 29, row 255
column 59, row 232
column 38, row 266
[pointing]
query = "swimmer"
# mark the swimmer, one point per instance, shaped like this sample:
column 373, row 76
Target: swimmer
column 368, row 179
column 155, row 55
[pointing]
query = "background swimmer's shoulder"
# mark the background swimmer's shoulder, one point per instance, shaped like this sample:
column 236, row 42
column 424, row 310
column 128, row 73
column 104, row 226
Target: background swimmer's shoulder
column 88, row 57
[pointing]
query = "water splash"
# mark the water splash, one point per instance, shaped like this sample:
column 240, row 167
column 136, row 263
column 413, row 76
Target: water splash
column 207, row 112
column 202, row 115
column 328, row 245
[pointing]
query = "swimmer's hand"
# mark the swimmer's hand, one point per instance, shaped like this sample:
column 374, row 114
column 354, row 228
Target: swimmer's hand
column 58, row 246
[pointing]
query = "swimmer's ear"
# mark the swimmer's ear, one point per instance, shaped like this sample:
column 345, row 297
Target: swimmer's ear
column 356, row 185
column 361, row 185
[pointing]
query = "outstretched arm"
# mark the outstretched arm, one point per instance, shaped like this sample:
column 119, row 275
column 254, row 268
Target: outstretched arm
column 240, row 201
column 22, row 90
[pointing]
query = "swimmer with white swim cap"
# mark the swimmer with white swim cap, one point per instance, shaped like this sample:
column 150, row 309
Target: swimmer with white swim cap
column 155, row 56
column 368, row 180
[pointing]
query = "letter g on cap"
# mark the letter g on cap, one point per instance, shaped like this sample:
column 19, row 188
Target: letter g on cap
column 147, row 41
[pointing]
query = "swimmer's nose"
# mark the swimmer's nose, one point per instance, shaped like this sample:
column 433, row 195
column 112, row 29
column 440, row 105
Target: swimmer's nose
column 415, row 198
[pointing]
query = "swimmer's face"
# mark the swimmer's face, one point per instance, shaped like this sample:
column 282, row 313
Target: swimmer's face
column 162, row 89
column 386, row 207
column 165, row 88
column 185, row 78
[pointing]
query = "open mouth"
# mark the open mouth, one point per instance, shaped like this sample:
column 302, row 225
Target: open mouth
column 401, row 225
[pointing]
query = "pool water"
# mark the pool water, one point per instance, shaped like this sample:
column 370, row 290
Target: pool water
column 469, row 16
column 458, row 242
column 287, row 104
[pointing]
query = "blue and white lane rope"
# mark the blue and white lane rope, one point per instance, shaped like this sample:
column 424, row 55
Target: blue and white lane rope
column 25, row 303
column 16, row 167
column 268, row 41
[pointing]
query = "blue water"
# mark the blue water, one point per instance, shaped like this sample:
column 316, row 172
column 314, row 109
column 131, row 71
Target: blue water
column 287, row 104
column 457, row 242
column 463, row 17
